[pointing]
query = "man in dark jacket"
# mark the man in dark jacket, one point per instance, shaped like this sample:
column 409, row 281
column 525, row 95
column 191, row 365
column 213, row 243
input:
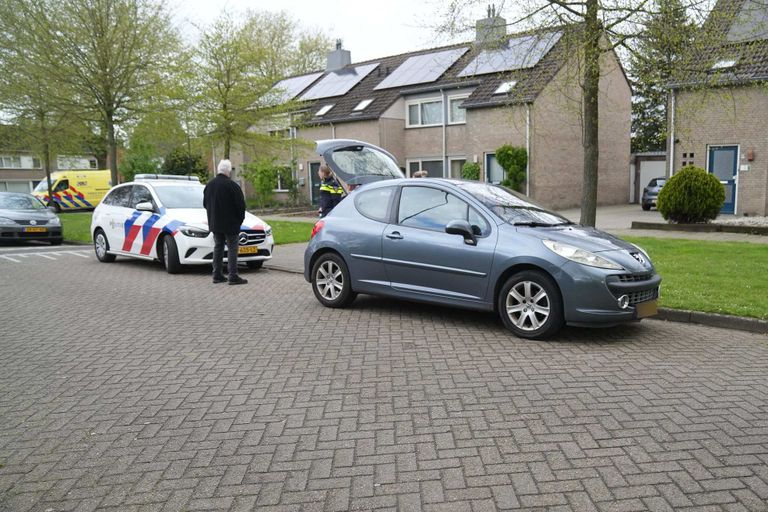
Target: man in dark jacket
column 330, row 191
column 223, row 201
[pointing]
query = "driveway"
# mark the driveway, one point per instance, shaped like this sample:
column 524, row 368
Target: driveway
column 123, row 388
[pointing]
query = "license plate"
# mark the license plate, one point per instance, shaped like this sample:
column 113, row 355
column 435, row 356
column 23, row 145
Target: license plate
column 35, row 230
column 247, row 250
column 645, row 309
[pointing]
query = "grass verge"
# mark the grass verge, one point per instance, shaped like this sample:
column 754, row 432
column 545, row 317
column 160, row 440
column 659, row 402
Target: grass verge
column 77, row 226
column 713, row 277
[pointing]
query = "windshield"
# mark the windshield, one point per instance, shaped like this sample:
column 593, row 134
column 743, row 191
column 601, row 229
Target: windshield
column 360, row 161
column 43, row 186
column 180, row 196
column 20, row 202
column 512, row 207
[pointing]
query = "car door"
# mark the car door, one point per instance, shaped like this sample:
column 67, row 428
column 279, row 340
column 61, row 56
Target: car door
column 143, row 233
column 121, row 218
column 422, row 259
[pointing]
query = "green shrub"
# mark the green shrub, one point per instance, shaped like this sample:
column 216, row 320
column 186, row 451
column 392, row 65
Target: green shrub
column 513, row 160
column 262, row 175
column 139, row 159
column 470, row 171
column 691, row 196
column 183, row 163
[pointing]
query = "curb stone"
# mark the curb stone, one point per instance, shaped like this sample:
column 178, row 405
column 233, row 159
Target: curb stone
column 713, row 320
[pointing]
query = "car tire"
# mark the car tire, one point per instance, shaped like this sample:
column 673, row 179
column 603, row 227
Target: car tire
column 56, row 241
column 530, row 305
column 331, row 282
column 171, row 255
column 101, row 247
column 646, row 207
column 254, row 265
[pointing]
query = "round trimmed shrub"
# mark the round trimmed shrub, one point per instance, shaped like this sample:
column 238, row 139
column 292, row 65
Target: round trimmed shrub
column 470, row 171
column 691, row 196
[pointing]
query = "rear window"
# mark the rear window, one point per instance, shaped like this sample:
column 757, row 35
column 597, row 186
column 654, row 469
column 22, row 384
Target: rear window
column 374, row 204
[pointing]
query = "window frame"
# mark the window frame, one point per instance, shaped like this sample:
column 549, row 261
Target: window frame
column 451, row 99
column 421, row 161
column 394, row 214
column 420, row 102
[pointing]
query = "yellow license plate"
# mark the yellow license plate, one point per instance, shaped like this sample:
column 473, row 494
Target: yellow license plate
column 35, row 230
column 645, row 309
column 247, row 250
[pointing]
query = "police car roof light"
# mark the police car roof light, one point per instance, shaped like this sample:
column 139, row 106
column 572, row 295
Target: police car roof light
column 140, row 177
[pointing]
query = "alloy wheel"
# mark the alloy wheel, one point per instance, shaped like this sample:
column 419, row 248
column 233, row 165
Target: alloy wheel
column 528, row 305
column 329, row 280
column 101, row 246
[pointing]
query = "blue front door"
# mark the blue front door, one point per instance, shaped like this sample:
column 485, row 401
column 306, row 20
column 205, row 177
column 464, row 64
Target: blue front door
column 724, row 163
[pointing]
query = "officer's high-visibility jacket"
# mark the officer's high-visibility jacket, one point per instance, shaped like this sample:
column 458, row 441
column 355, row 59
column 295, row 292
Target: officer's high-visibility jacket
column 330, row 195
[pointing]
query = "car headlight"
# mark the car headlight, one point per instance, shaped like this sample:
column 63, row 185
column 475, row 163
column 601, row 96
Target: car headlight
column 267, row 230
column 580, row 255
column 4, row 221
column 642, row 251
column 54, row 221
column 193, row 232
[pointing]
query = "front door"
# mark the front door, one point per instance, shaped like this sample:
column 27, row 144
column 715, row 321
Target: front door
column 314, row 179
column 724, row 163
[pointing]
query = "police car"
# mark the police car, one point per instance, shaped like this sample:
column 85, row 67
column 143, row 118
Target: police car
column 161, row 217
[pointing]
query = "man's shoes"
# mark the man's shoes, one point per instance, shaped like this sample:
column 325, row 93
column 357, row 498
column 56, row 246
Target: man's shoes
column 237, row 280
column 219, row 279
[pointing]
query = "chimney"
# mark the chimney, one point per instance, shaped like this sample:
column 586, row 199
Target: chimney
column 491, row 30
column 338, row 58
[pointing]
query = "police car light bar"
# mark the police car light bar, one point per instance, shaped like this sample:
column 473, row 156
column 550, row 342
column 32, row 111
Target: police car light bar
column 140, row 177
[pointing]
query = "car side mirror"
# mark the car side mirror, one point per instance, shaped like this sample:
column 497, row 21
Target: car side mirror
column 462, row 227
column 145, row 207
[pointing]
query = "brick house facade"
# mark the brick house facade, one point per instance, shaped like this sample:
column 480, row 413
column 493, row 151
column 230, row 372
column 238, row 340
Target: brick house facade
column 719, row 114
column 539, row 111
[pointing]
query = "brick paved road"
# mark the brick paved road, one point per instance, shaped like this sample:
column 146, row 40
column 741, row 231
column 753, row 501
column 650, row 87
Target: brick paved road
column 124, row 388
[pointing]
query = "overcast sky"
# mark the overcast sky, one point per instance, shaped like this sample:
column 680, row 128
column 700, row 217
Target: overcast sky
column 369, row 29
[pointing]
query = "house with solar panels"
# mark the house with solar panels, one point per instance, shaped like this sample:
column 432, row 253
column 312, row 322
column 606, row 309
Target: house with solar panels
column 437, row 109
column 719, row 106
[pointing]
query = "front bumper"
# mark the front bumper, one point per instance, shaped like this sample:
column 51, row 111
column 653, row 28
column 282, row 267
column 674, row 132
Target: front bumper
column 198, row 251
column 18, row 233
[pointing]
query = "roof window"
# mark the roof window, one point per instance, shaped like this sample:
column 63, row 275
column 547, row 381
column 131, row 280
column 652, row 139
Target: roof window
column 724, row 64
column 363, row 105
column 324, row 110
column 505, row 87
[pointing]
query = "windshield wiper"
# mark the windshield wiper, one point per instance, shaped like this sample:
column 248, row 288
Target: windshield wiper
column 542, row 224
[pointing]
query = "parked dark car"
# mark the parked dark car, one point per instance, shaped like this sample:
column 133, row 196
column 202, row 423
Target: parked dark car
column 651, row 193
column 472, row 245
column 24, row 217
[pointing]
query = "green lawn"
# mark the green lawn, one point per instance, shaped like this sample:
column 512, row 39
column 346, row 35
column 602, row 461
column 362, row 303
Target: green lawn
column 714, row 277
column 77, row 227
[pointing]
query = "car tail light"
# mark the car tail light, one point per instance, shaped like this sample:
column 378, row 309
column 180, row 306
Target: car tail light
column 318, row 226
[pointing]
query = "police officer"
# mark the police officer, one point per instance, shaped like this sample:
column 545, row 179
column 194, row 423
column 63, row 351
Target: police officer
column 330, row 191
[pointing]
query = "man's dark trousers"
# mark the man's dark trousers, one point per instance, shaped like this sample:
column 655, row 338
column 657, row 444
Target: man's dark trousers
column 218, row 254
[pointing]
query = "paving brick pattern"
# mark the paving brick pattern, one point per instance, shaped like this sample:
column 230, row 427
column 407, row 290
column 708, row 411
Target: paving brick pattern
column 126, row 389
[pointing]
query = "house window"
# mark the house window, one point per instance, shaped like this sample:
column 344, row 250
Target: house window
column 456, row 114
column 494, row 173
column 434, row 168
column 505, row 87
column 10, row 162
column 283, row 176
column 362, row 105
column 324, row 110
column 456, row 165
column 280, row 133
column 428, row 112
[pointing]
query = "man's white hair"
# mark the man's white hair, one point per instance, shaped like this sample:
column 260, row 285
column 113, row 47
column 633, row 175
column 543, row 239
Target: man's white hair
column 225, row 167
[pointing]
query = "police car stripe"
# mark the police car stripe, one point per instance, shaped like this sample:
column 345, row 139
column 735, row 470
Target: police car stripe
column 131, row 230
column 149, row 233
column 81, row 197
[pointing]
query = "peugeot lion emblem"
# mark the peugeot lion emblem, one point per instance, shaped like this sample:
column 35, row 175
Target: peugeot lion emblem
column 242, row 238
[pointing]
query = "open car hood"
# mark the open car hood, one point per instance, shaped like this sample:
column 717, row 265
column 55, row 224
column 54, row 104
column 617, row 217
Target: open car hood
column 356, row 163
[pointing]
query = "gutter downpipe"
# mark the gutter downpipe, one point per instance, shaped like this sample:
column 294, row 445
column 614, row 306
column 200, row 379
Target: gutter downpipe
column 672, row 135
column 528, row 149
column 445, row 146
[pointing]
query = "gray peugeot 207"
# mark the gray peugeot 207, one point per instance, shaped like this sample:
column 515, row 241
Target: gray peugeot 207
column 470, row 245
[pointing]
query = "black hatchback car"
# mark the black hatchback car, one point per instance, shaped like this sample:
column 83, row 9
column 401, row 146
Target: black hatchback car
column 651, row 193
column 24, row 217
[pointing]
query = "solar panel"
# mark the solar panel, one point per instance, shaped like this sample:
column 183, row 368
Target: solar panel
column 751, row 23
column 421, row 69
column 338, row 82
column 289, row 88
column 519, row 53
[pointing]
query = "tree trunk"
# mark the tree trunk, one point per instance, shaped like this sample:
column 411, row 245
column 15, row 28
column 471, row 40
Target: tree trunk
column 112, row 148
column 590, row 91
column 46, row 156
column 227, row 146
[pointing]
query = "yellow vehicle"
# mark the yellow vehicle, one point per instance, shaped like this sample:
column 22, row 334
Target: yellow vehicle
column 74, row 190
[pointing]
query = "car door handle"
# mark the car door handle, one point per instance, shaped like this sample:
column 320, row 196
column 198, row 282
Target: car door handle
column 395, row 235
